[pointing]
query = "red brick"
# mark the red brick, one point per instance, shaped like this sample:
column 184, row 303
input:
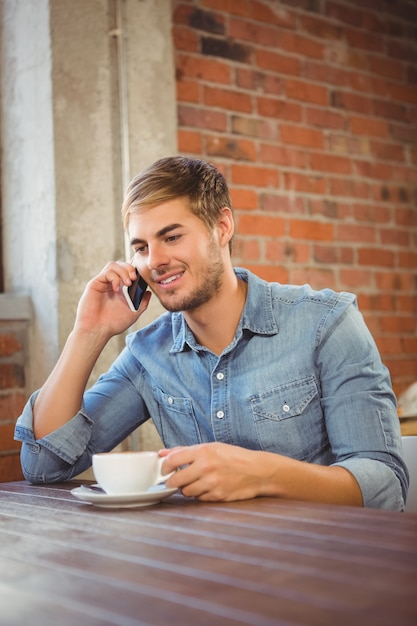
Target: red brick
column 275, row 203
column 359, row 81
column 407, row 260
column 277, row 15
column 389, row 151
column 330, row 163
column 279, row 63
column 185, row 39
column 320, row 27
column 325, row 73
column 255, row 81
column 11, row 406
column 406, row 302
column 389, row 68
column 299, row 44
column 11, row 376
column 305, row 183
column 10, row 468
column 344, row 14
column 365, row 40
column 264, row 129
column 199, row 67
column 9, row 344
column 404, row 93
column 329, row 208
column 332, row 254
column 231, row 148
column 398, row 324
column 228, row 99
column 188, row 91
column 202, row 118
column 249, row 224
column 317, row 278
column 245, row 199
column 7, row 442
column 325, row 118
column 391, row 110
column 373, row 170
column 311, row 230
column 355, row 278
column 288, row 157
column 189, row 141
column 302, row 136
column 372, row 213
column 356, row 234
column 379, row 257
column 307, row 92
column 275, row 251
column 394, row 281
column 352, row 102
column 281, row 109
column 406, row 217
column 246, row 250
column 252, row 175
column 397, row 237
column 253, row 32
column 242, row 8
column 349, row 187
column 346, row 144
column 271, row 273
column 368, row 126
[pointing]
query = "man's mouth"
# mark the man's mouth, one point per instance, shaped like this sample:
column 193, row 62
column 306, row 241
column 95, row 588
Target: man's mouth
column 170, row 279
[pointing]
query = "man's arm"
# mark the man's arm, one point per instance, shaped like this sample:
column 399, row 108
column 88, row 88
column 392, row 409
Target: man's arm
column 222, row 472
column 102, row 313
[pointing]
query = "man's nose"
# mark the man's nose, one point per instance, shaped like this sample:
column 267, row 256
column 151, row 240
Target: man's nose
column 157, row 257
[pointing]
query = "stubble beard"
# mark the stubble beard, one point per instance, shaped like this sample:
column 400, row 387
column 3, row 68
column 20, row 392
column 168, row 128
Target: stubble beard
column 209, row 286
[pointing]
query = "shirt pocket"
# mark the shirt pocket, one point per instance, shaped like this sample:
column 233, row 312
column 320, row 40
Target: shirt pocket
column 289, row 419
column 175, row 419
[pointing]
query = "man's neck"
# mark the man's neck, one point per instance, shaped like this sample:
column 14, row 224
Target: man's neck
column 214, row 324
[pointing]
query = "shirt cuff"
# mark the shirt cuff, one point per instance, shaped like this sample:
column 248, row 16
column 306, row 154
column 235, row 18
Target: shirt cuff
column 381, row 489
column 68, row 442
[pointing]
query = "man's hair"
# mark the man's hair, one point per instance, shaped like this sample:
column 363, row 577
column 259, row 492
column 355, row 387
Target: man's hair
column 200, row 183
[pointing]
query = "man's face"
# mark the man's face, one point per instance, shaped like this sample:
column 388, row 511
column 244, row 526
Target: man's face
column 177, row 255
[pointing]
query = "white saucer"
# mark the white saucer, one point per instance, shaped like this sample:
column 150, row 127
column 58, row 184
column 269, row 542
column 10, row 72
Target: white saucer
column 144, row 498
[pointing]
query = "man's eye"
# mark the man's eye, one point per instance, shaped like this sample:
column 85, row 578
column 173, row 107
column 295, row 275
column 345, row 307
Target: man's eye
column 141, row 250
column 172, row 238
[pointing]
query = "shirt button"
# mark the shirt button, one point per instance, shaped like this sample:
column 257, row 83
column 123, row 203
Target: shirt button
column 285, row 408
column 220, row 414
column 170, row 400
column 220, row 376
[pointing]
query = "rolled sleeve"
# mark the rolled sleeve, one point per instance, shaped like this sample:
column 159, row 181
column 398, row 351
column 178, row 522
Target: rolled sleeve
column 58, row 456
column 383, row 493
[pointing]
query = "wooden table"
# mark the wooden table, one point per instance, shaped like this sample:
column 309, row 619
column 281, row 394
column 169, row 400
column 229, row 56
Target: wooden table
column 262, row 562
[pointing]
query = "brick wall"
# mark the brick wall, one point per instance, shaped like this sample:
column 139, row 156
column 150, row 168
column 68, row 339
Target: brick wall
column 13, row 350
column 309, row 107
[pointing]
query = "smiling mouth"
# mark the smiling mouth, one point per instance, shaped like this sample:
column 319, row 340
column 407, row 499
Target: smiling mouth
column 170, row 279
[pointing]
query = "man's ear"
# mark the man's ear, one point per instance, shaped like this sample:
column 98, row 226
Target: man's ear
column 226, row 226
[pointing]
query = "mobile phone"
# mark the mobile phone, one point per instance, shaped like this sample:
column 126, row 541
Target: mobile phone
column 135, row 292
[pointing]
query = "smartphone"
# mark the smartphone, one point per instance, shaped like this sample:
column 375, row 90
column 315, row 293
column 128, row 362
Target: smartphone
column 135, row 292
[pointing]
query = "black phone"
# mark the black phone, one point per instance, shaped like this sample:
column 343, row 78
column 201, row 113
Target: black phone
column 135, row 292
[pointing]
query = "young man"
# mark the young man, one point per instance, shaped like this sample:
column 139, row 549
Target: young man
column 256, row 388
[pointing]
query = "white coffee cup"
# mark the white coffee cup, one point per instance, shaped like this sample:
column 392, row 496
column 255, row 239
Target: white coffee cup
column 128, row 473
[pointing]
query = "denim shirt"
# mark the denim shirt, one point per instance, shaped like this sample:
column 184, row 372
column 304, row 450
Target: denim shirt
column 302, row 378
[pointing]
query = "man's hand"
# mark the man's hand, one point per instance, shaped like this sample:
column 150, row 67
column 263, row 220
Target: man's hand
column 214, row 471
column 103, row 308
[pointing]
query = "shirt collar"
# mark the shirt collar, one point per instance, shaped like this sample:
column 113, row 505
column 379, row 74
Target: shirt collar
column 257, row 316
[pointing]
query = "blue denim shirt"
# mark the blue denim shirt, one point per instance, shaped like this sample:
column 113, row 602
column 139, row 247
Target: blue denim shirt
column 302, row 377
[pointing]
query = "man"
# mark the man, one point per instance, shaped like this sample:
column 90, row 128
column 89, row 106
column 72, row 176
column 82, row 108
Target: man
column 256, row 389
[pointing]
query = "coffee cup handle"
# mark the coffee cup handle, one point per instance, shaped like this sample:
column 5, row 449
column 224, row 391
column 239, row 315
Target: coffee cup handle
column 161, row 478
